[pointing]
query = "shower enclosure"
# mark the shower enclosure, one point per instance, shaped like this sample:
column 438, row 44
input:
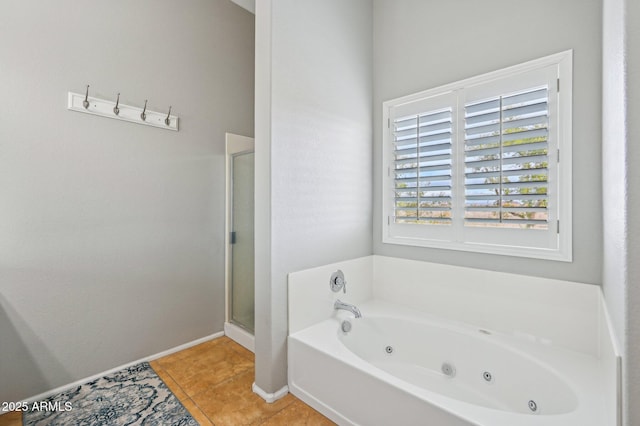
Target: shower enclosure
column 240, row 240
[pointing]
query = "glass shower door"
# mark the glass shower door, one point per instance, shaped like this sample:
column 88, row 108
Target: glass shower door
column 242, row 228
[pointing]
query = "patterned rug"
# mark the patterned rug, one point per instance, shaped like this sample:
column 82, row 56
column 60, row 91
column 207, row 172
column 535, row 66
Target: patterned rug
column 133, row 396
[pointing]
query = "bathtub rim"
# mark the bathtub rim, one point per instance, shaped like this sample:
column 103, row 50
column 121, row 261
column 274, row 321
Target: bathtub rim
column 584, row 387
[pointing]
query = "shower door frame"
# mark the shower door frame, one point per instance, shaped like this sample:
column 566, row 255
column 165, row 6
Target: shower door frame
column 235, row 145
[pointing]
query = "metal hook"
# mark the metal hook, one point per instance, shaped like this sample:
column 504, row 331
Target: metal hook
column 116, row 110
column 167, row 121
column 85, row 103
column 143, row 115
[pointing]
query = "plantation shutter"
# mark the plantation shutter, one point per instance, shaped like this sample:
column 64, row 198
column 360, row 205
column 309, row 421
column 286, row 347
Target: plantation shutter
column 422, row 161
column 475, row 165
column 506, row 159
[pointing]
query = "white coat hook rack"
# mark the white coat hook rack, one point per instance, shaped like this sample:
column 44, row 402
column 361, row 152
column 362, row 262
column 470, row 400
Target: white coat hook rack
column 82, row 102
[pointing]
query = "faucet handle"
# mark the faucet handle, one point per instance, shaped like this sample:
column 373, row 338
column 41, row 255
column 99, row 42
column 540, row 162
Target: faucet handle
column 344, row 284
column 337, row 282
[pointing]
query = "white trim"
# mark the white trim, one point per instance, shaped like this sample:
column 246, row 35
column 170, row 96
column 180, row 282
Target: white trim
column 565, row 145
column 240, row 336
column 505, row 250
column 270, row 397
column 493, row 75
column 63, row 388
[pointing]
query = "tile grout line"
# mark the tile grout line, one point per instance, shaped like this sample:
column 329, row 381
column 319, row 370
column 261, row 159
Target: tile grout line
column 203, row 413
column 188, row 397
column 233, row 347
column 223, row 383
column 219, row 384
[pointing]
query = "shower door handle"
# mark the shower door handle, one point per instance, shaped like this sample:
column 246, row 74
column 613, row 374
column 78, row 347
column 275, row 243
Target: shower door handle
column 232, row 237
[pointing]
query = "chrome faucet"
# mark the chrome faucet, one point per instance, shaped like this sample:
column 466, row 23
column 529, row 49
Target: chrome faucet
column 347, row 307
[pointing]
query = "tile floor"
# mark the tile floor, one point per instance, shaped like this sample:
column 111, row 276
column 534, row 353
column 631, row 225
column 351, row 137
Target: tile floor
column 213, row 381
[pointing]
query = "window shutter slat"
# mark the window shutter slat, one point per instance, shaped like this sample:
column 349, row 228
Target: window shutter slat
column 506, row 160
column 422, row 167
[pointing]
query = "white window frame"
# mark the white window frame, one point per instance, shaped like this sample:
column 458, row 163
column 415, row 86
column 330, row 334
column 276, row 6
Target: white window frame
column 552, row 244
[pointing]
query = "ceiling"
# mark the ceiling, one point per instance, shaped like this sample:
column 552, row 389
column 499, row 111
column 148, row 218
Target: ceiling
column 250, row 5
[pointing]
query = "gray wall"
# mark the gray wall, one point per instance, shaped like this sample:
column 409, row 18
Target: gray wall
column 621, row 195
column 111, row 233
column 313, row 153
column 632, row 363
column 424, row 44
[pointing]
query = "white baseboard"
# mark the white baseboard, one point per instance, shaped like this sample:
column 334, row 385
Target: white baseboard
column 63, row 388
column 240, row 336
column 270, row 397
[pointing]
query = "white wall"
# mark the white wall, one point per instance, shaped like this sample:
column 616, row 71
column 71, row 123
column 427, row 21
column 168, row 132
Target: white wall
column 420, row 45
column 111, row 234
column 562, row 313
column 519, row 305
column 311, row 299
column 614, row 159
column 621, row 194
column 313, row 153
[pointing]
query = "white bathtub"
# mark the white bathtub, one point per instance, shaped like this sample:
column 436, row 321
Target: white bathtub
column 397, row 366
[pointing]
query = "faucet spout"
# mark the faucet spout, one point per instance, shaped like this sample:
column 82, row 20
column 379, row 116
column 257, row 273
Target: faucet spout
column 347, row 307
